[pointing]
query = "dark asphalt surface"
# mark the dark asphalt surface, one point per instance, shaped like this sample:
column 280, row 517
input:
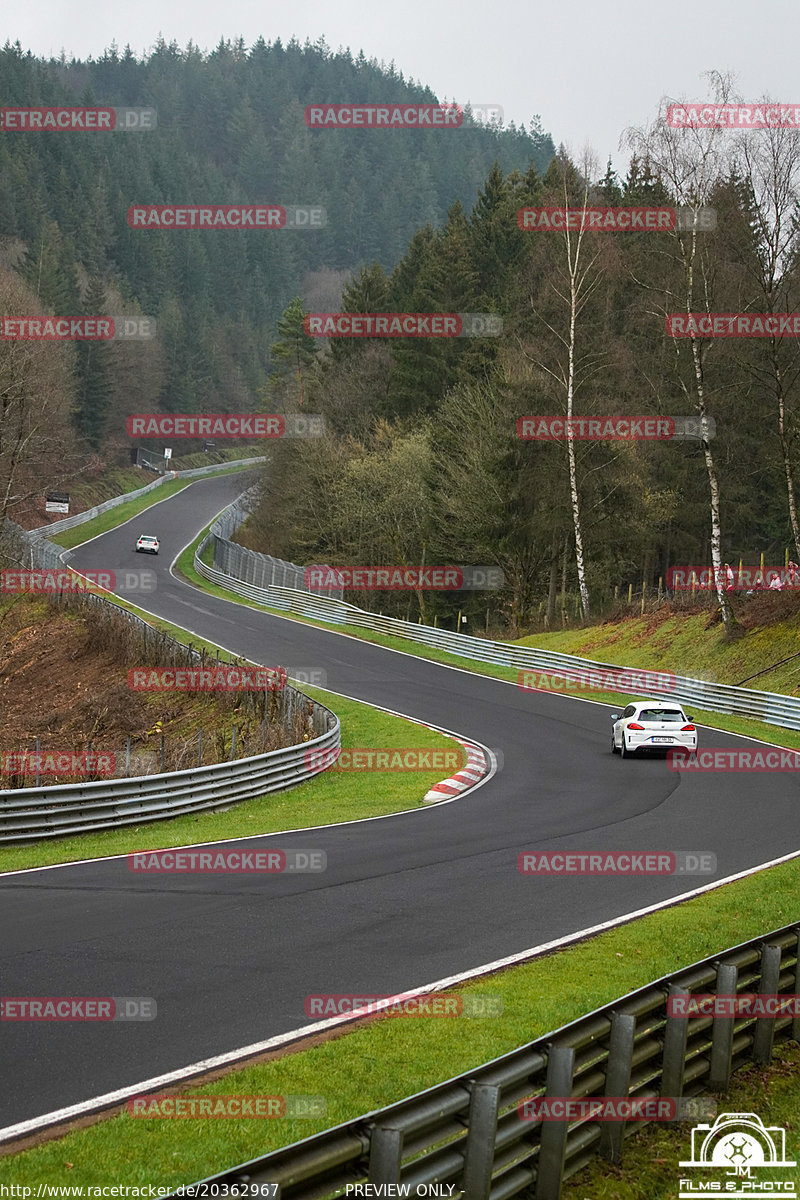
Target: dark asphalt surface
column 404, row 901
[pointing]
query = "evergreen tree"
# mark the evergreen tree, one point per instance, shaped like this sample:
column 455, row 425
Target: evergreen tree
column 295, row 350
column 93, row 386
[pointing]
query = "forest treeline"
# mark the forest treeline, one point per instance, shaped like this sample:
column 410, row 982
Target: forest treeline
column 423, row 464
column 230, row 129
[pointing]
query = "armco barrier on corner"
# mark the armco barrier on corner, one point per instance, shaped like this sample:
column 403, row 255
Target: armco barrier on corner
column 236, row 569
column 33, row 813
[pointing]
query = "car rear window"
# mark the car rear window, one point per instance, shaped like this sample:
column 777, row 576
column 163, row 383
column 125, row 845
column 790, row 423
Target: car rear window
column 661, row 714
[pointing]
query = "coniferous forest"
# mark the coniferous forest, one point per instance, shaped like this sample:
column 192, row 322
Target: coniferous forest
column 421, row 461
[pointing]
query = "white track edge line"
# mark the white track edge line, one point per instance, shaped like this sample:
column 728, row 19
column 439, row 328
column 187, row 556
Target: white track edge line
column 249, row 837
column 110, row 1099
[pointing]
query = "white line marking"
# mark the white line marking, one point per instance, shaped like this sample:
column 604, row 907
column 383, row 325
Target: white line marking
column 109, row 1099
column 250, row 837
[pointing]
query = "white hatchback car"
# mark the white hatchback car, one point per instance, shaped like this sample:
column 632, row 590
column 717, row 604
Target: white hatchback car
column 652, row 725
column 147, row 544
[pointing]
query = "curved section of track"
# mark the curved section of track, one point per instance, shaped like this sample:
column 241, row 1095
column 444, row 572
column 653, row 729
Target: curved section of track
column 405, row 899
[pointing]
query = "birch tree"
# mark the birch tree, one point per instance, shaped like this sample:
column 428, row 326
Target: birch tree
column 574, row 356
column 691, row 163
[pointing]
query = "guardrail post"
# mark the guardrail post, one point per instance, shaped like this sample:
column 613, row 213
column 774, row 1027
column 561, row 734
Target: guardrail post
column 479, row 1158
column 796, row 989
column 719, row 1075
column 674, row 1055
column 618, row 1080
column 769, row 984
column 553, row 1134
column 385, row 1150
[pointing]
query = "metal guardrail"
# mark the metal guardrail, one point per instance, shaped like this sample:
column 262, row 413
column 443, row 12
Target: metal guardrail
column 771, row 707
column 115, row 501
column 261, row 571
column 28, row 813
column 468, row 1131
column 38, row 812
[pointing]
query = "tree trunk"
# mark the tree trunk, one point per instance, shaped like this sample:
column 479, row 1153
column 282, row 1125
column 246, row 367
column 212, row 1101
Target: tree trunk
column 580, row 562
column 552, row 590
column 713, row 486
column 787, row 462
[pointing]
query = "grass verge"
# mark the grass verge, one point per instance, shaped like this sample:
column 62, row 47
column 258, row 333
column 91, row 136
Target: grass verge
column 650, row 1160
column 331, row 796
column 722, row 721
column 385, row 1060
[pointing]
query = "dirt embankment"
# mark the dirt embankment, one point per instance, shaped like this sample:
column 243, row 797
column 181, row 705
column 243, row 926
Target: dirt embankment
column 58, row 685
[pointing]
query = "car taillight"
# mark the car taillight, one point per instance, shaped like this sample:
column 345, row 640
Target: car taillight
column 688, row 729
column 633, row 725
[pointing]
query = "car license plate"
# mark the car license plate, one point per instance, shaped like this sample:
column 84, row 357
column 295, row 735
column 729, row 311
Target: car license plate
column 662, row 739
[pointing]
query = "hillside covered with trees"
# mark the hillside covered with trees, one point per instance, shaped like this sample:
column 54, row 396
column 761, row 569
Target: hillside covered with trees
column 230, row 129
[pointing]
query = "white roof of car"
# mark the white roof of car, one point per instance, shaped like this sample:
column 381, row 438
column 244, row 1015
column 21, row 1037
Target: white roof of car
column 662, row 703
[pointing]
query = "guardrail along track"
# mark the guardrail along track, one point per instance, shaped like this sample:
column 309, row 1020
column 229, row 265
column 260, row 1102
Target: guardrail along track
column 467, row 1131
column 235, row 569
column 90, row 513
column 38, row 812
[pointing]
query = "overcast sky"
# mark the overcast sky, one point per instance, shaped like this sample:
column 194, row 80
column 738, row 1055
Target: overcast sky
column 589, row 69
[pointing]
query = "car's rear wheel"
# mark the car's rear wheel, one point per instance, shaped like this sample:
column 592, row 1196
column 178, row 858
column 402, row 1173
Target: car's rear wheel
column 614, row 746
column 625, row 751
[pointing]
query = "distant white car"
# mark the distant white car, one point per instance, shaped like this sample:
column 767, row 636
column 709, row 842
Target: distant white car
column 147, row 544
column 652, row 725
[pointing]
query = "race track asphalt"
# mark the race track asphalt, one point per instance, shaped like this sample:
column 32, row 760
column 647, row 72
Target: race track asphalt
column 404, row 900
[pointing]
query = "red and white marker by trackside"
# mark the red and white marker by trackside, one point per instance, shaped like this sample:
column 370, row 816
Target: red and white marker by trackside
column 469, row 775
